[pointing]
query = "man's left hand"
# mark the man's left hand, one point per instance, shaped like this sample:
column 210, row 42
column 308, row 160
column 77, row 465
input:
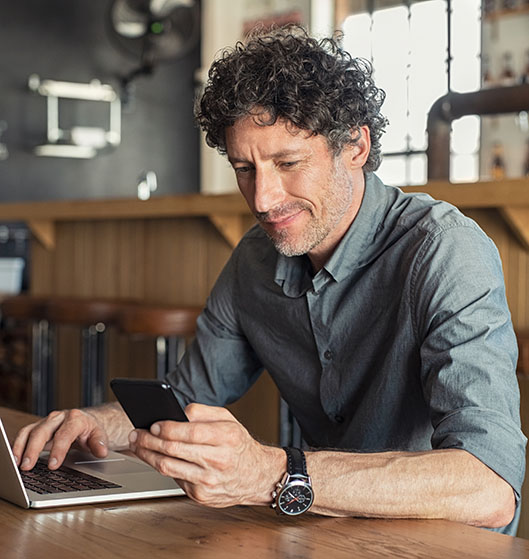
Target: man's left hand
column 212, row 457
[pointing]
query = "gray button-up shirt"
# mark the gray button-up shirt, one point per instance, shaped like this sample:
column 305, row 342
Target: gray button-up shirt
column 403, row 341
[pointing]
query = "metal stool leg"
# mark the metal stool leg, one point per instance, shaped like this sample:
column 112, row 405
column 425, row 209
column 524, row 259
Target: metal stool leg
column 100, row 371
column 93, row 358
column 38, row 384
column 42, row 368
column 161, row 357
column 169, row 351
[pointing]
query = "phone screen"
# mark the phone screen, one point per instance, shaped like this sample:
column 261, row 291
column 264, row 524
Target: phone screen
column 146, row 401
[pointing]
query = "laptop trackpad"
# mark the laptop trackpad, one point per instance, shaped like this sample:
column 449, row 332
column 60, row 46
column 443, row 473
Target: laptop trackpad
column 113, row 465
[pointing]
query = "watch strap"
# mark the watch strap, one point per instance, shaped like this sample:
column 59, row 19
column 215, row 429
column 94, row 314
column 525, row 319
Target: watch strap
column 296, row 463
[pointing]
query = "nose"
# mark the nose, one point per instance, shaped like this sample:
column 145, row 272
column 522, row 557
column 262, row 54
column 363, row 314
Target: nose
column 268, row 190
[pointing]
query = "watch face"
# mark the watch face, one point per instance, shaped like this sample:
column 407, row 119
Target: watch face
column 295, row 498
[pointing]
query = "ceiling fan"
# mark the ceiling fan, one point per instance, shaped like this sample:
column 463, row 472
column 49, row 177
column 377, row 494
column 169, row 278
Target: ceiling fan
column 154, row 31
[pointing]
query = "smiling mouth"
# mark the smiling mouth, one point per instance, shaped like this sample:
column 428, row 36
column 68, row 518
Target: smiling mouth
column 282, row 217
column 283, row 221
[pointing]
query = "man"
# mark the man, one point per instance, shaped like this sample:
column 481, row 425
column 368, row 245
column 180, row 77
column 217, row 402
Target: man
column 381, row 317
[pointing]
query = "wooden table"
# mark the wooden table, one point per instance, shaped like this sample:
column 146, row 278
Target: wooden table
column 180, row 528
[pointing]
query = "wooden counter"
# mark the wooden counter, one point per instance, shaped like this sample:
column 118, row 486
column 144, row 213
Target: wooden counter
column 228, row 212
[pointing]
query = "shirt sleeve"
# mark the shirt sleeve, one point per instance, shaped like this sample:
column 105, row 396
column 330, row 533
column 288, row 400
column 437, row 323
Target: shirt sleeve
column 468, row 350
column 220, row 365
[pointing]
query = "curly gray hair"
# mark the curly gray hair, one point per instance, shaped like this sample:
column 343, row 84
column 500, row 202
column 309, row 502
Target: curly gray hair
column 287, row 74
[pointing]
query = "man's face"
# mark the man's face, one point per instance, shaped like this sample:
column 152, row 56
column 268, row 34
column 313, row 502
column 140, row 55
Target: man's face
column 298, row 190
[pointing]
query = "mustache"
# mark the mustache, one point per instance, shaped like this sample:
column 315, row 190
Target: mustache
column 279, row 213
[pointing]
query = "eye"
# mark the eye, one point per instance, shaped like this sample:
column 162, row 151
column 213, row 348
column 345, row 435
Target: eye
column 242, row 170
column 288, row 164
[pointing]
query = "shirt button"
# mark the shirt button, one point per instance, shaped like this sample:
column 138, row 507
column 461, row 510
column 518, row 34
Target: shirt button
column 338, row 418
column 328, row 355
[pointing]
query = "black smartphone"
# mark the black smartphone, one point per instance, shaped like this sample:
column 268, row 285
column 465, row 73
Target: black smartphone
column 146, row 401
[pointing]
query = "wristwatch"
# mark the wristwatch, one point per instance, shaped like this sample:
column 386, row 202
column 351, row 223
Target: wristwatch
column 293, row 494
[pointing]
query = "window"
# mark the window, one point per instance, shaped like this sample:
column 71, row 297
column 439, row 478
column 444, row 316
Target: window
column 420, row 51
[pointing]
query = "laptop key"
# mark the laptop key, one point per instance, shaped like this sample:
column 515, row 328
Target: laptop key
column 44, row 481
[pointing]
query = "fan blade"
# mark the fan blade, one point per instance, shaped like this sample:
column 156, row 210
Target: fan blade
column 130, row 18
column 162, row 8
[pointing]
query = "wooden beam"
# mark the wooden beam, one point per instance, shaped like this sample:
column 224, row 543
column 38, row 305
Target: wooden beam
column 183, row 205
column 229, row 226
column 484, row 194
column 517, row 217
column 44, row 232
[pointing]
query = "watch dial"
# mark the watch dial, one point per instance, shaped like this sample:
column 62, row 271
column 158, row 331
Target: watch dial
column 295, row 499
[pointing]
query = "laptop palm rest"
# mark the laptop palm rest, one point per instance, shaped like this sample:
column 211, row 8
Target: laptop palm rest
column 112, row 465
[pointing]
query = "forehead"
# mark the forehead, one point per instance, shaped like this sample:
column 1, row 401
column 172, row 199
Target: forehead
column 250, row 132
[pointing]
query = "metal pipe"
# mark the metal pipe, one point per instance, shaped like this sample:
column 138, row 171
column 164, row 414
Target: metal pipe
column 498, row 100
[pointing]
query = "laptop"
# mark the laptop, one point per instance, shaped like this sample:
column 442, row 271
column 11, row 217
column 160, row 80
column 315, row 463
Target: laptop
column 83, row 478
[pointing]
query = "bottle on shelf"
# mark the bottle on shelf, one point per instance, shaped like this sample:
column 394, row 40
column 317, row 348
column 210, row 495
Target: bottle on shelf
column 486, row 77
column 497, row 169
column 525, row 74
column 508, row 4
column 489, row 7
column 507, row 75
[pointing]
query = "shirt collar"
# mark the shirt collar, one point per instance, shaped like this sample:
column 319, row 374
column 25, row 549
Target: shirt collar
column 356, row 249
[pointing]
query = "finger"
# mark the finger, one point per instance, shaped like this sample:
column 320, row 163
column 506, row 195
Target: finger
column 21, row 440
column 33, row 438
column 78, row 426
column 170, row 466
column 199, row 432
column 98, row 443
column 202, row 455
column 94, row 439
column 200, row 484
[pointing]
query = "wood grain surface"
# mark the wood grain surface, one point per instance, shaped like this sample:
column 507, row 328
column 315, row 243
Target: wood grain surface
column 180, row 528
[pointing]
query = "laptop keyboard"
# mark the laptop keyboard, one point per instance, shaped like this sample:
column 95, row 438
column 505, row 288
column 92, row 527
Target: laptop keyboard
column 63, row 480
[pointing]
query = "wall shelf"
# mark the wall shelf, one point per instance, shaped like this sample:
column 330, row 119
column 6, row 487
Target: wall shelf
column 225, row 211
column 229, row 212
column 498, row 14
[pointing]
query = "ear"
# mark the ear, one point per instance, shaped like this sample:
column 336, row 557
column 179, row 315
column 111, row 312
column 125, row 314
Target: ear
column 356, row 154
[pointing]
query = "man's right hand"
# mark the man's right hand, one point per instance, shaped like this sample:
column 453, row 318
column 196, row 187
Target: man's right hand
column 58, row 431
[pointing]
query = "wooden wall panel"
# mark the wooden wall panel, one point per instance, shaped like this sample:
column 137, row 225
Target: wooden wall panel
column 164, row 260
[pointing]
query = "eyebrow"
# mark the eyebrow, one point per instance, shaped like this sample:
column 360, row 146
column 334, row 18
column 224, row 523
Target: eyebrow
column 275, row 155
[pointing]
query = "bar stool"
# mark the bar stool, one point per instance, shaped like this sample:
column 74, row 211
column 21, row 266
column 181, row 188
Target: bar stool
column 171, row 326
column 31, row 309
column 92, row 316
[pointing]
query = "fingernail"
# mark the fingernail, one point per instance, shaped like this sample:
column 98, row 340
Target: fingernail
column 155, row 429
column 52, row 462
column 133, row 436
column 25, row 462
column 17, row 459
column 102, row 443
